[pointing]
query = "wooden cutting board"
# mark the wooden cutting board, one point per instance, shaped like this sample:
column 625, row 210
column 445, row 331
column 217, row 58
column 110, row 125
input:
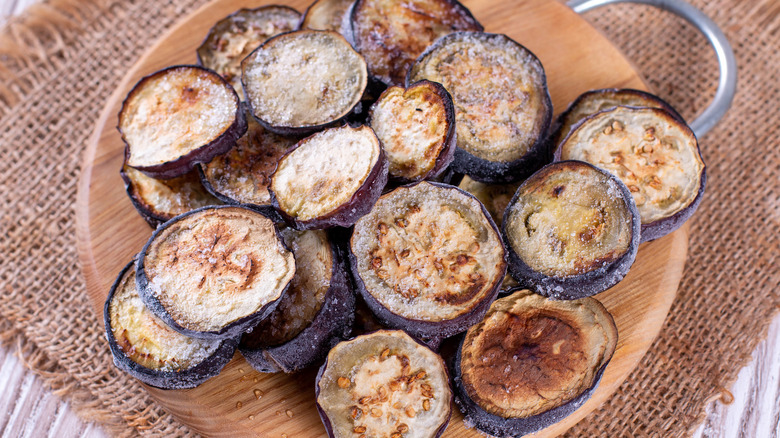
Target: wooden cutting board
column 243, row 402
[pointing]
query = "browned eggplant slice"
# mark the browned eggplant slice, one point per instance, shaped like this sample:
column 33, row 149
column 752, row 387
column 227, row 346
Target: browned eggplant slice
column 328, row 15
column 215, row 272
column 495, row 197
column 653, row 153
column 531, row 362
column 234, row 37
column 300, row 82
column 416, row 127
column 572, row 231
column 502, row 106
column 147, row 349
column 391, row 34
column 159, row 200
column 593, row 101
column 243, row 174
column 178, row 117
column 427, row 259
column 317, row 312
column 330, row 179
column 383, row 384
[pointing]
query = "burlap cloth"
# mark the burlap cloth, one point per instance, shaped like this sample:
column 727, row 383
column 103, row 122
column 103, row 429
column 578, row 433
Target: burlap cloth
column 59, row 63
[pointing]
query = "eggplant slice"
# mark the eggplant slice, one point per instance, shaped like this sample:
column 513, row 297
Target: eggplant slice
column 383, row 384
column 300, row 82
column 572, row 231
column 178, row 117
column 653, row 153
column 427, row 259
column 159, row 200
column 502, row 106
column 416, row 127
column 215, row 272
column 328, row 15
column 234, row 37
column 147, row 349
column 242, row 175
column 391, row 34
column 531, row 362
column 593, row 101
column 317, row 312
column 330, row 179
column 495, row 197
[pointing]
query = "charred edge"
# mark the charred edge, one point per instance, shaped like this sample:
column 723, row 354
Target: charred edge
column 189, row 378
column 232, row 330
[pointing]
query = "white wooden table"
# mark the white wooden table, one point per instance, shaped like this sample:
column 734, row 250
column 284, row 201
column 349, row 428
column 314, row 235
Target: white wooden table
column 27, row 409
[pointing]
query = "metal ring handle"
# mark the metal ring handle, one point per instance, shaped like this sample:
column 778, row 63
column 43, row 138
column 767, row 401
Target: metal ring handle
column 727, row 84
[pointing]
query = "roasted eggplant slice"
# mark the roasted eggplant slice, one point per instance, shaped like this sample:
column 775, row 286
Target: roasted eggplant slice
column 328, row 15
column 495, row 197
column 316, row 313
column 147, row 349
column 300, row 82
column 330, row 179
column 159, row 200
column 572, row 231
column 383, row 384
column 235, row 36
column 242, row 175
column 502, row 107
column 427, row 259
column 178, row 117
column 215, row 272
column 531, row 362
column 391, row 34
column 593, row 101
column 653, row 153
column 416, row 127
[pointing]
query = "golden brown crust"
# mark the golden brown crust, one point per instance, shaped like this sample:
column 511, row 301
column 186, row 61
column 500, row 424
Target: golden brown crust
column 569, row 218
column 235, row 36
column 391, row 34
column 531, row 354
column 171, row 114
column 244, row 173
column 146, row 340
column 414, row 128
column 653, row 153
column 229, row 261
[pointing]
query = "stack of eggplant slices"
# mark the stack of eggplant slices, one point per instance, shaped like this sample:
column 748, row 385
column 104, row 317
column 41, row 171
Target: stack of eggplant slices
column 378, row 188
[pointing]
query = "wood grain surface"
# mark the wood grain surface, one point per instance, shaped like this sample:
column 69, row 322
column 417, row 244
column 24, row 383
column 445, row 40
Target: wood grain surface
column 241, row 401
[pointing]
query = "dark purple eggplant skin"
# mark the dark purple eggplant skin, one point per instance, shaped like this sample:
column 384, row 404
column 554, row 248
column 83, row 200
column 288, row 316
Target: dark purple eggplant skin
column 347, row 214
column 493, row 172
column 189, row 378
column 498, row 426
column 203, row 154
column 576, row 286
column 231, row 331
column 355, row 111
column 556, row 136
column 433, row 332
column 326, row 420
column 447, row 154
column 660, row 228
column 154, row 220
column 332, row 324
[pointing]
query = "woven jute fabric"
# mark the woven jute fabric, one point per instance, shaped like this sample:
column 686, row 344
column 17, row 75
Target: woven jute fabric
column 60, row 61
